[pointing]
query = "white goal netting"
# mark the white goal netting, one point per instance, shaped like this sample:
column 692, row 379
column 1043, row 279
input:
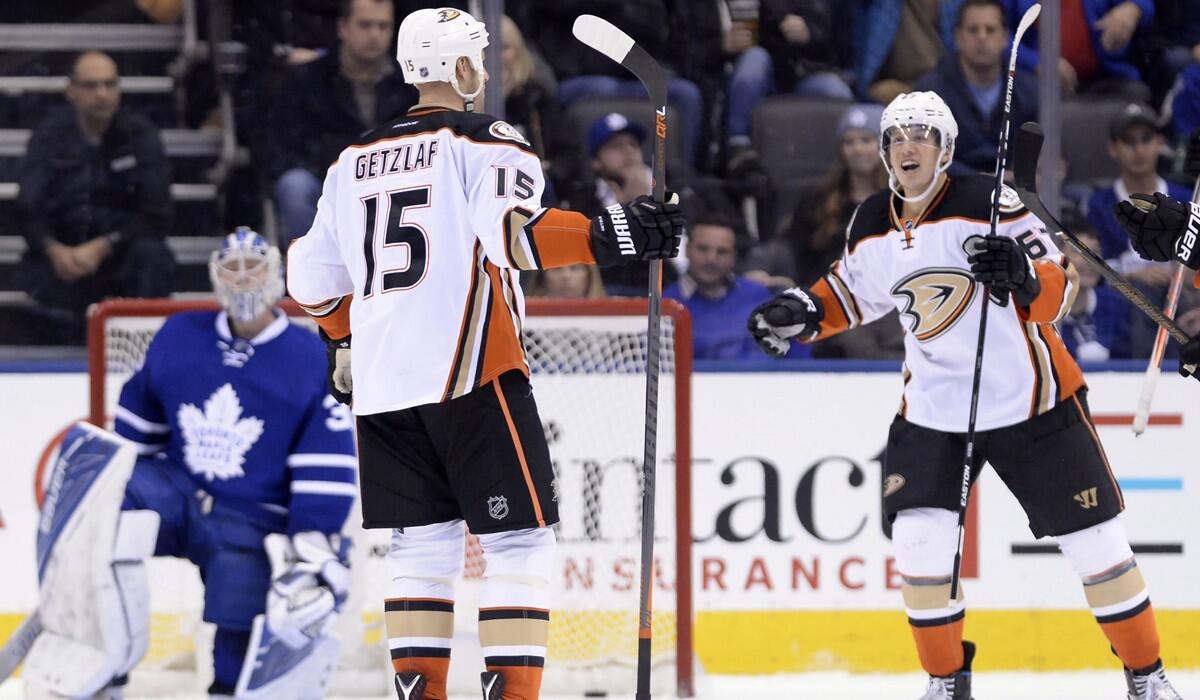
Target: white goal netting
column 588, row 364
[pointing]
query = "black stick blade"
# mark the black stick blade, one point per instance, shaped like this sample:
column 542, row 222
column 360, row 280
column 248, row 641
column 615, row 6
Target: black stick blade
column 1027, row 147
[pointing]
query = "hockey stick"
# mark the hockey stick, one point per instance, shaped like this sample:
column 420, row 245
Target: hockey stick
column 1027, row 21
column 602, row 35
column 19, row 644
column 1154, row 369
column 1026, row 147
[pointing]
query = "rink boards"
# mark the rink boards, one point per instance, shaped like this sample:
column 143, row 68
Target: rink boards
column 791, row 563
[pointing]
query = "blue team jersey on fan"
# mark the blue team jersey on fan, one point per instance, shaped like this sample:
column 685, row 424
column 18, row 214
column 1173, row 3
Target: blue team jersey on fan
column 251, row 422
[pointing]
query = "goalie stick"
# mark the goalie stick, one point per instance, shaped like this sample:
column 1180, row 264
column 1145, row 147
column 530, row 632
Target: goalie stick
column 1027, row 21
column 1026, row 148
column 19, row 644
column 603, row 36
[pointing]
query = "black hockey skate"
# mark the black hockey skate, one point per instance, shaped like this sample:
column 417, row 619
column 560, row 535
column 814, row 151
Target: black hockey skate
column 410, row 686
column 1150, row 684
column 956, row 686
column 493, row 685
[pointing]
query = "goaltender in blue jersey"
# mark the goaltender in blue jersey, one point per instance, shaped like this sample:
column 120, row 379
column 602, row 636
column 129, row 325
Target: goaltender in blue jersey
column 240, row 462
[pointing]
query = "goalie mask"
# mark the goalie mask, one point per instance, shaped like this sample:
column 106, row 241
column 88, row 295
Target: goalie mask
column 246, row 274
column 431, row 41
column 921, row 117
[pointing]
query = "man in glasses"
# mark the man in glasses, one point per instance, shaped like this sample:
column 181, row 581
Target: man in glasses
column 94, row 202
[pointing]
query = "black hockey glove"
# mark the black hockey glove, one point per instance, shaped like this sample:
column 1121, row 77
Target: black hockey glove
column 793, row 313
column 337, row 355
column 1000, row 263
column 1161, row 228
column 644, row 229
column 1189, row 358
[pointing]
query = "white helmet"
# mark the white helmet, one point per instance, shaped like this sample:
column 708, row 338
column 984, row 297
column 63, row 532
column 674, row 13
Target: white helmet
column 245, row 274
column 921, row 109
column 430, row 43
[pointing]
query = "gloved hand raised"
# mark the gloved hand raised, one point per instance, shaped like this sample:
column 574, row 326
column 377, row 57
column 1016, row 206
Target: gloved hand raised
column 644, row 229
column 1161, row 227
column 793, row 313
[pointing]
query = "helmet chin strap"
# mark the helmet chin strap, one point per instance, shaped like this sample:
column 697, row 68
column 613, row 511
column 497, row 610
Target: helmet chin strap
column 937, row 171
column 468, row 98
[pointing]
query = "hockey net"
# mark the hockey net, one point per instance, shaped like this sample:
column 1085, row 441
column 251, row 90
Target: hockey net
column 587, row 359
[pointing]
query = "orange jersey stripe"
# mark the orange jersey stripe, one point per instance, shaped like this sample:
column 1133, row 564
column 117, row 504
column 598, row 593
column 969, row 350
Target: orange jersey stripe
column 502, row 349
column 1070, row 377
column 561, row 238
column 836, row 319
column 332, row 316
column 1058, row 292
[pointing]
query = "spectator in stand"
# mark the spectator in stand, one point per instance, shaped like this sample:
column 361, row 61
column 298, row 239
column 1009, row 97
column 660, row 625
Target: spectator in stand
column 798, row 53
column 570, row 282
column 1135, row 143
column 530, row 104
column 583, row 72
column 817, row 233
column 1097, row 327
column 94, row 203
column 971, row 80
column 897, row 41
column 715, row 297
column 325, row 104
column 1096, row 37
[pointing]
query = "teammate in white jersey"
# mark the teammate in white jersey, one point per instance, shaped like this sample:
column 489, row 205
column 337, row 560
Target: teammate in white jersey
column 421, row 230
column 923, row 247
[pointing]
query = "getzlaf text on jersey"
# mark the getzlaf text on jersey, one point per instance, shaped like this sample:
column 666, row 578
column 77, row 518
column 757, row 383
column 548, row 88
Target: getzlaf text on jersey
column 920, row 268
column 421, row 225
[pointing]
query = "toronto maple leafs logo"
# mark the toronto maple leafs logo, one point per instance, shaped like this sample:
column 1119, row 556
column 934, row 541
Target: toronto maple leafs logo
column 215, row 440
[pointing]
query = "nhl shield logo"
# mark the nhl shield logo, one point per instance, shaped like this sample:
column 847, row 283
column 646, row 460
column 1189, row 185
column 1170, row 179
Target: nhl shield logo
column 498, row 507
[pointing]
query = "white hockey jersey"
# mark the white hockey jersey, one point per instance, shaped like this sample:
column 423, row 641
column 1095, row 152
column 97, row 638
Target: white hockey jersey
column 420, row 228
column 920, row 268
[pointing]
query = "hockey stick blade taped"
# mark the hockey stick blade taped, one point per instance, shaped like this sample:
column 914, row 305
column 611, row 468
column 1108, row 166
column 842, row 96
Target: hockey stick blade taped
column 602, row 35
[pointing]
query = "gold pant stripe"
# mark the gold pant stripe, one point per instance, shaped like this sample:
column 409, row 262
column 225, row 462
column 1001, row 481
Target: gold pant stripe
column 419, row 623
column 1118, row 590
column 499, row 633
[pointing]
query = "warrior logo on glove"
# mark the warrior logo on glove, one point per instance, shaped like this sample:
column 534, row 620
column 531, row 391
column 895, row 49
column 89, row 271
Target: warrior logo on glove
column 1161, row 228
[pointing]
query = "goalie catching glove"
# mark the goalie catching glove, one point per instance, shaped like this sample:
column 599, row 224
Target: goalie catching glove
column 310, row 579
column 1000, row 262
column 644, row 229
column 337, row 355
column 1161, row 228
column 793, row 313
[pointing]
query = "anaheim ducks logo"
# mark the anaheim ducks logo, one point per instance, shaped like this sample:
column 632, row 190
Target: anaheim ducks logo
column 448, row 15
column 937, row 298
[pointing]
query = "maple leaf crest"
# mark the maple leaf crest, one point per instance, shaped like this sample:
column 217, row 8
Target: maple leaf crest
column 215, row 440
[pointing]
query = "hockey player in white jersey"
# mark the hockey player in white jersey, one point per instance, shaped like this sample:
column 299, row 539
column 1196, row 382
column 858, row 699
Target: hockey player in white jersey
column 244, row 465
column 923, row 247
column 1163, row 228
column 412, row 266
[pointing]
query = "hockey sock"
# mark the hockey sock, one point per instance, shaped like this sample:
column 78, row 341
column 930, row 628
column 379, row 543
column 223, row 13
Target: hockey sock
column 419, row 634
column 1115, row 590
column 419, row 612
column 936, row 626
column 514, row 608
column 1121, row 604
column 229, row 654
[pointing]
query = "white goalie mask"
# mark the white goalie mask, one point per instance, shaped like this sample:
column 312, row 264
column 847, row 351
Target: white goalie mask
column 431, row 41
column 246, row 274
column 918, row 116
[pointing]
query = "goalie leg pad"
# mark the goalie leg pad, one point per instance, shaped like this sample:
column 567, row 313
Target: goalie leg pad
column 92, row 607
column 514, row 606
column 419, row 611
column 924, row 540
column 272, row 669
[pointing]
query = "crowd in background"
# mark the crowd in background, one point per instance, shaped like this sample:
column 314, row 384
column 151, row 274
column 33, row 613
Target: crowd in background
column 314, row 74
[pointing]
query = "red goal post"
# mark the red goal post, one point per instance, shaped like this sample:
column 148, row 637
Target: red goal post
column 113, row 351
